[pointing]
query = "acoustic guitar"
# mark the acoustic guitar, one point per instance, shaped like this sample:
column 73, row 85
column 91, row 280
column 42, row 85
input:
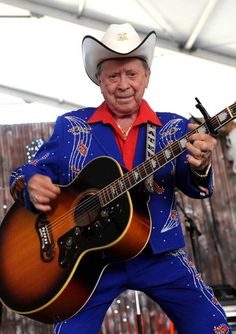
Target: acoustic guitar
column 50, row 264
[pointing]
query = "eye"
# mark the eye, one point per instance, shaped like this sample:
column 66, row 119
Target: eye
column 131, row 74
column 113, row 76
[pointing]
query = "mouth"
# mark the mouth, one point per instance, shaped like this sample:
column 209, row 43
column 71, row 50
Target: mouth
column 124, row 98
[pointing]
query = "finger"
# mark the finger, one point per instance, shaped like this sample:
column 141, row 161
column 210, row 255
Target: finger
column 41, row 203
column 42, row 186
column 201, row 136
column 50, row 187
column 194, row 162
column 42, row 199
column 197, row 157
column 199, row 139
column 42, row 183
column 34, row 198
column 192, row 126
column 42, row 207
column 199, row 162
column 194, row 149
column 201, row 149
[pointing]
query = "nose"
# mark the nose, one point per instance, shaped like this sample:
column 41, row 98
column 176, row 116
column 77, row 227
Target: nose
column 124, row 82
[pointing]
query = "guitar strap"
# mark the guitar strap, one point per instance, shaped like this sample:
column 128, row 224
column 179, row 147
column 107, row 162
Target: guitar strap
column 150, row 151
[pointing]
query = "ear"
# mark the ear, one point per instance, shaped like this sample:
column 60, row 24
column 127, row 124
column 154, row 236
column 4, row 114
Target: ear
column 100, row 84
column 147, row 75
column 98, row 79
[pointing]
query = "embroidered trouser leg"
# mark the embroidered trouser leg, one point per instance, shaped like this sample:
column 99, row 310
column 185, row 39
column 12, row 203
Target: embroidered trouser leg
column 169, row 279
column 185, row 298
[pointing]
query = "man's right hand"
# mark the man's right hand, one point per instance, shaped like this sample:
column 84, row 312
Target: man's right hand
column 42, row 191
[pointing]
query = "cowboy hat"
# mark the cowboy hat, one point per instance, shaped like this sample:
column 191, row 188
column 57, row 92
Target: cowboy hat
column 119, row 41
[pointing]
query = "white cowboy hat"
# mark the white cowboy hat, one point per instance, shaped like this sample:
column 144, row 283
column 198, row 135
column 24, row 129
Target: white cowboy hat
column 119, row 41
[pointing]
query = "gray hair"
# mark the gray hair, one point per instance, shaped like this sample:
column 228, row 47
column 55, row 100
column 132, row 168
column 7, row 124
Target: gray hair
column 99, row 66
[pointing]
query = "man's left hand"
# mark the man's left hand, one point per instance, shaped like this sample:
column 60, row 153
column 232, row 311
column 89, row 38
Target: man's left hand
column 200, row 146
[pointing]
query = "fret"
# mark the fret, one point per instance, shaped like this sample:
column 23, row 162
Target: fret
column 214, row 120
column 137, row 175
column 134, row 176
column 177, row 148
column 113, row 191
column 154, row 163
column 230, row 112
column 202, row 129
column 128, row 181
column 233, row 107
column 107, row 194
column 148, row 167
column 142, row 171
column 222, row 116
column 161, row 158
column 183, row 141
column 121, row 185
column 168, row 154
column 103, row 196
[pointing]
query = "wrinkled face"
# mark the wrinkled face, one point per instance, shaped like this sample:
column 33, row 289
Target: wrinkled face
column 122, row 83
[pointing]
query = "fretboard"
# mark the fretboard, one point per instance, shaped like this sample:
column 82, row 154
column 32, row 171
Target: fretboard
column 160, row 159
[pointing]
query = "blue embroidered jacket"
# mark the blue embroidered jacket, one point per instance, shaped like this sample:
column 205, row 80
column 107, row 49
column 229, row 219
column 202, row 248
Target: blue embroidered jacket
column 74, row 143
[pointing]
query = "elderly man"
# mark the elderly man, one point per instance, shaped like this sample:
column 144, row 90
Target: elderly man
column 125, row 128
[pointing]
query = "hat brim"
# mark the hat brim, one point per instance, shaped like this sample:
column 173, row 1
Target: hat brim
column 95, row 52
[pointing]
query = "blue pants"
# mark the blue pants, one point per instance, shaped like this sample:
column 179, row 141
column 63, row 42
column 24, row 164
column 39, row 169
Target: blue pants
column 170, row 279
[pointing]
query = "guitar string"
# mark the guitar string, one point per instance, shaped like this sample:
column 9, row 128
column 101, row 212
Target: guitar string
column 83, row 208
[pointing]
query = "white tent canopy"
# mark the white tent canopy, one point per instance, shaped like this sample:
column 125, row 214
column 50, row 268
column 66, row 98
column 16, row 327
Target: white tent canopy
column 41, row 68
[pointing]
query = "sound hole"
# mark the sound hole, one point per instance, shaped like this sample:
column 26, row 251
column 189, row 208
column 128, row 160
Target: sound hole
column 87, row 209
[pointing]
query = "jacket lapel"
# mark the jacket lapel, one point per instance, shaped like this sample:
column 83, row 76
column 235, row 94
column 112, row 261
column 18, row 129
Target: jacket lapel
column 104, row 142
column 141, row 146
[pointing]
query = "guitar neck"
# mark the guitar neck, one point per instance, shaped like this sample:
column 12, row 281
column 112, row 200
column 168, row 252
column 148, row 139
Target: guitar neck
column 160, row 159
